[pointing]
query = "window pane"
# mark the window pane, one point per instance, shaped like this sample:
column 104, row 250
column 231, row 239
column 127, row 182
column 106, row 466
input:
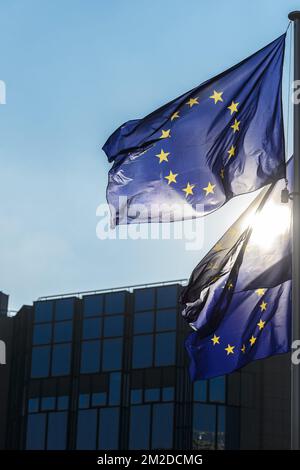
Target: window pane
column 99, row 399
column 57, row 431
column 152, row 394
column 221, row 428
column 136, row 396
column 91, row 328
column 162, row 422
column 168, row 394
column 144, row 299
column 109, row 419
column 217, row 389
column 200, row 390
column 64, row 309
column 143, row 322
column 61, row 359
column 40, row 361
column 63, row 331
column 90, row 357
column 204, row 426
column 167, row 296
column 112, row 354
column 86, row 429
column 114, row 303
column 139, row 427
column 84, row 400
column 114, row 326
column 165, row 349
column 43, row 311
column 63, row 403
column 48, row 403
column 33, row 405
column 166, row 320
column 93, row 305
column 114, row 388
column 35, row 438
column 232, row 424
column 42, row 334
column 142, row 351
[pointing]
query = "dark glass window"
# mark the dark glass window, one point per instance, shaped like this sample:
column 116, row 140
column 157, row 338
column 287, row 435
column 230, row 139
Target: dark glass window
column 139, row 427
column 109, row 420
column 40, row 361
column 36, row 429
column 232, row 424
column 204, row 426
column 43, row 312
column 84, row 400
column 114, row 326
column 112, row 354
column 114, row 388
column 165, row 349
column 162, row 426
column 64, row 309
column 91, row 328
column 42, row 333
column 217, row 389
column 142, row 351
column 152, row 394
column 168, row 393
column 136, row 396
column 221, row 428
column 61, row 359
column 143, row 322
column 48, row 403
column 114, row 303
column 166, row 320
column 57, row 431
column 166, row 297
column 86, row 429
column 93, row 305
column 63, row 331
column 144, row 299
column 63, row 403
column 90, row 357
column 99, row 399
column 33, row 405
column 200, row 390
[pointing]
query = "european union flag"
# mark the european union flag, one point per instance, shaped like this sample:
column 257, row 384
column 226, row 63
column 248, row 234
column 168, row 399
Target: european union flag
column 186, row 159
column 239, row 296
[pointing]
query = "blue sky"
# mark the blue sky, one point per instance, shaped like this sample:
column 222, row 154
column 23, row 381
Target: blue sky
column 74, row 71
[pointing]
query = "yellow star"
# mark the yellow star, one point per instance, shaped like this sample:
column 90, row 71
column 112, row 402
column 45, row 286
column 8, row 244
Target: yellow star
column 231, row 152
column 260, row 292
column 252, row 340
column 165, row 134
column 243, row 348
column 229, row 349
column 189, row 189
column 175, row 115
column 222, row 173
column 163, row 156
column 171, row 177
column 209, row 188
column 235, row 126
column 217, row 96
column 263, row 306
column 215, row 339
column 218, row 246
column 261, row 324
column 192, row 101
column 233, row 107
column 230, row 285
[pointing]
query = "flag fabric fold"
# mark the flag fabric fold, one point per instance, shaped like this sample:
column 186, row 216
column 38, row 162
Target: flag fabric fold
column 186, row 159
column 238, row 299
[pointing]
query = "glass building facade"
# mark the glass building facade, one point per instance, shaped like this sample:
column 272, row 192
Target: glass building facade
column 109, row 371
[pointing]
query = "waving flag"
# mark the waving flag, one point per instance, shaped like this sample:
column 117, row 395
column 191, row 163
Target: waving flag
column 186, row 159
column 239, row 296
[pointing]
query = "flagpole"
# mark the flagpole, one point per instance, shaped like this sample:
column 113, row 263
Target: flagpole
column 295, row 369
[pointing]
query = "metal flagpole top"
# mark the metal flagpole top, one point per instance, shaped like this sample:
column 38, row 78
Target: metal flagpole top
column 294, row 15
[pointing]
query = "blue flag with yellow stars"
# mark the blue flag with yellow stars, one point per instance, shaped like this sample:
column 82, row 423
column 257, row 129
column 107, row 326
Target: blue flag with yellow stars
column 238, row 298
column 186, row 159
